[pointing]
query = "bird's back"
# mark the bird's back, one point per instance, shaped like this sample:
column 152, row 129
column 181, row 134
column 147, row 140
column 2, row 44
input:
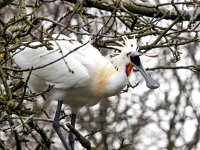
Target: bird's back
column 60, row 66
column 69, row 67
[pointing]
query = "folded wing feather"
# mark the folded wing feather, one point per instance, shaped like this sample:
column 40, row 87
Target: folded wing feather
column 71, row 71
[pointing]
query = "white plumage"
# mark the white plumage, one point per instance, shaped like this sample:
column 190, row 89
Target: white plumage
column 79, row 74
column 83, row 77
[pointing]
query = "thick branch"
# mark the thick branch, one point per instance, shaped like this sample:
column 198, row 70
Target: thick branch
column 84, row 142
column 4, row 3
column 141, row 9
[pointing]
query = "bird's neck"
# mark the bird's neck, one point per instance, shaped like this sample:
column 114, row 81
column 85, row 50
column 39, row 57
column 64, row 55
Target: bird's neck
column 119, row 80
column 108, row 81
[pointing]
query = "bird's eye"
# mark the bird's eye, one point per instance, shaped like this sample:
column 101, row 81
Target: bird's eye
column 128, row 54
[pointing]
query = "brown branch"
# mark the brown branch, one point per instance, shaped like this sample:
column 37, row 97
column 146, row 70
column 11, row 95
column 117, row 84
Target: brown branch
column 149, row 10
column 11, row 105
column 7, row 88
column 19, row 105
column 16, row 136
column 4, row 3
column 84, row 142
column 162, row 34
column 30, row 131
column 46, row 140
column 195, row 68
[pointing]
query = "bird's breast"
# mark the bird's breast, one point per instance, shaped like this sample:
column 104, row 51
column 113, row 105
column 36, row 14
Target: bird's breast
column 101, row 80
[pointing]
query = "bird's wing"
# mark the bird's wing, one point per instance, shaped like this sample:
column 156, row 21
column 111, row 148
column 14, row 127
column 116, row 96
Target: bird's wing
column 73, row 70
column 87, row 49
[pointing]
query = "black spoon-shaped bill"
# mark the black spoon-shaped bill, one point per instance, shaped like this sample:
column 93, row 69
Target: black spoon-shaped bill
column 150, row 82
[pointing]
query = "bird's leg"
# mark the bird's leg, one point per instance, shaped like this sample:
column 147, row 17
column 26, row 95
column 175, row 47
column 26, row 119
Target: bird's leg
column 56, row 125
column 71, row 135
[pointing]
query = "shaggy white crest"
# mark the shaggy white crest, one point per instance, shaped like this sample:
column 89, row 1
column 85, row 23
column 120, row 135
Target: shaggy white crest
column 130, row 45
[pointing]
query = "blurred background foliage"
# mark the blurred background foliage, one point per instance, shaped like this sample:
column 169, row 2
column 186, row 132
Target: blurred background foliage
column 167, row 118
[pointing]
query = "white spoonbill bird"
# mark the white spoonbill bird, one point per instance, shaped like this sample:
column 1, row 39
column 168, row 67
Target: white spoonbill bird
column 79, row 74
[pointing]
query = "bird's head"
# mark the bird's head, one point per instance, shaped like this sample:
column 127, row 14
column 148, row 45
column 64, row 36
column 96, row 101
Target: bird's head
column 131, row 58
